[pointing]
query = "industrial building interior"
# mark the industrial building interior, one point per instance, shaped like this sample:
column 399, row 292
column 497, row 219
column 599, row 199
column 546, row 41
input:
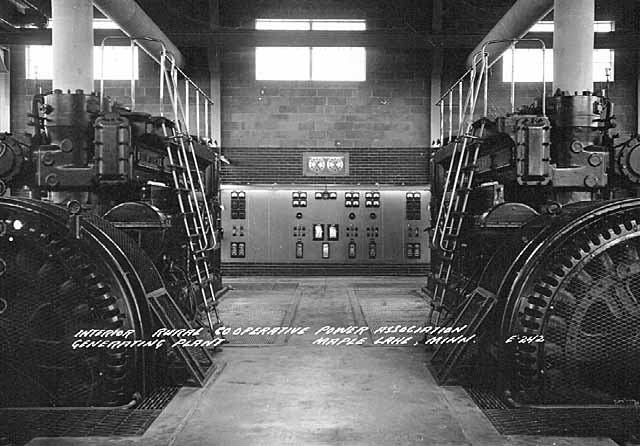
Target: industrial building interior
column 319, row 222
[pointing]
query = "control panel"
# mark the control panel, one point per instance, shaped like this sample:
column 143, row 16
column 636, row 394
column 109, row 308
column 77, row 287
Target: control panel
column 316, row 224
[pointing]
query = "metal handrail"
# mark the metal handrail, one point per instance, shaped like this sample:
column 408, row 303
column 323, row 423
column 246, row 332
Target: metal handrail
column 469, row 108
column 544, row 82
column 164, row 54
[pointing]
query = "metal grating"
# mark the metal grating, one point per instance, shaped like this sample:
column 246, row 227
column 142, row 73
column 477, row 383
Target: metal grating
column 618, row 423
column 265, row 286
column 158, row 399
column 592, row 336
column 20, row 426
column 44, row 308
column 148, row 273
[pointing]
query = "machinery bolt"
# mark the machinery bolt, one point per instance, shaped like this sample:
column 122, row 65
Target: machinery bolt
column 74, row 207
column 576, row 147
column 48, row 159
column 590, row 181
column 595, row 160
column 52, row 180
column 66, row 145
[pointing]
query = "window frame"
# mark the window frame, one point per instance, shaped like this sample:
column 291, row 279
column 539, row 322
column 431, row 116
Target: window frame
column 311, row 25
column 548, row 59
column 123, row 76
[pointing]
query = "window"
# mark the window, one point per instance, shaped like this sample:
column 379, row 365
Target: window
column 599, row 26
column 117, row 59
column 97, row 24
column 117, row 62
column 311, row 63
column 528, row 62
column 528, row 65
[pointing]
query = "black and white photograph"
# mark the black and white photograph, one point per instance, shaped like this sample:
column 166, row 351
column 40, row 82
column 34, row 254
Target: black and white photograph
column 319, row 223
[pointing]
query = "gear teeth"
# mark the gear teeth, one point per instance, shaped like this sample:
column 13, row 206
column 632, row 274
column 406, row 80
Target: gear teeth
column 537, row 364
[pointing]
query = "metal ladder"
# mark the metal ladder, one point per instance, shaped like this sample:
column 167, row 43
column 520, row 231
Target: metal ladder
column 455, row 196
column 198, row 360
column 195, row 212
column 475, row 310
column 194, row 208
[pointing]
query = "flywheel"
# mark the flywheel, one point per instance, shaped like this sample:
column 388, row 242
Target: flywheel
column 575, row 326
column 54, row 282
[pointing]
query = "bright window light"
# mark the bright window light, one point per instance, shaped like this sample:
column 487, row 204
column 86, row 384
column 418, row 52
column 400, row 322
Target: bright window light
column 338, row 64
column 311, row 63
column 543, row 26
column 97, row 24
column 599, row 26
column 341, row 25
column 104, row 24
column 528, row 65
column 39, row 59
column 117, row 62
column 283, row 63
column 287, row 25
column 603, row 63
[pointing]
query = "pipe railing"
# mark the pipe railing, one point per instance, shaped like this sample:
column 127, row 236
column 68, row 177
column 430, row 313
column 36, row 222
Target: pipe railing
column 170, row 76
column 466, row 114
column 514, row 42
column 459, row 89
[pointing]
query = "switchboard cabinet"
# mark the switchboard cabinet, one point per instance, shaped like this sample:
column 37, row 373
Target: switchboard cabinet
column 364, row 224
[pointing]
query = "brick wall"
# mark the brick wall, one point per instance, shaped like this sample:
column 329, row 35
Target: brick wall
column 366, row 165
column 382, row 122
column 390, row 109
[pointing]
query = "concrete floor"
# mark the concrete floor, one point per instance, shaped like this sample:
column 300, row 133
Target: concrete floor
column 279, row 390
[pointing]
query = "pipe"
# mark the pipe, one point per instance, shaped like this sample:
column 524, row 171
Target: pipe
column 134, row 22
column 72, row 40
column 573, row 46
column 513, row 25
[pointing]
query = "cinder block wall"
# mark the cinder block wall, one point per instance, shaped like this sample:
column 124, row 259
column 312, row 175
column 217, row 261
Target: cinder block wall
column 389, row 109
column 382, row 122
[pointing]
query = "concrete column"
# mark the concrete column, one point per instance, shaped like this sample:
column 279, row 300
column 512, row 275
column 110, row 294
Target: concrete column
column 72, row 38
column 215, row 74
column 573, row 45
column 436, row 76
column 5, row 90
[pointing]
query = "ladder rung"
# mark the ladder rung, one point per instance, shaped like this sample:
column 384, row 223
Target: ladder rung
column 208, row 280
column 451, row 236
column 470, row 167
column 464, row 190
column 176, row 167
column 439, row 280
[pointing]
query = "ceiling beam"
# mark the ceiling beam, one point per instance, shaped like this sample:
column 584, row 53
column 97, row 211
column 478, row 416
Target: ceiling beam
column 238, row 38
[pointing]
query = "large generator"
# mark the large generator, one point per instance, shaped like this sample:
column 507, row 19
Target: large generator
column 536, row 248
column 109, row 230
